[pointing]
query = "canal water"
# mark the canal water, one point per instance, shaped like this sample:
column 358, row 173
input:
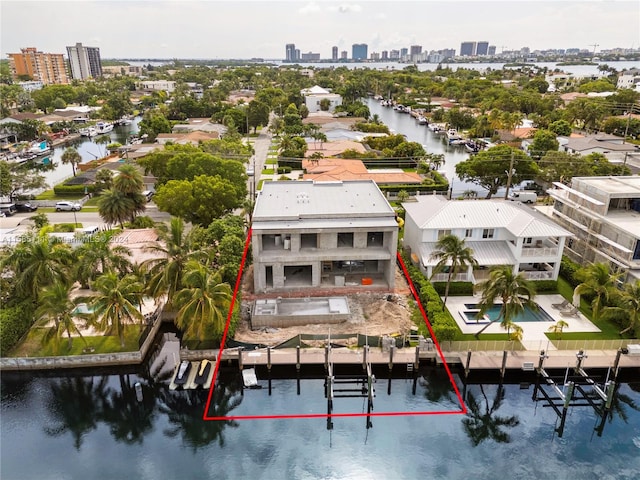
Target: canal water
column 93, row 426
column 88, row 149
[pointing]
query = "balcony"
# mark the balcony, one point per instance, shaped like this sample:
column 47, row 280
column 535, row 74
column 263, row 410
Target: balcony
column 540, row 252
column 538, row 275
column 443, row 277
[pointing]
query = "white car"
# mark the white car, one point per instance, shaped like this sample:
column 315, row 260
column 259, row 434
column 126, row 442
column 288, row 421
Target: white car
column 68, row 207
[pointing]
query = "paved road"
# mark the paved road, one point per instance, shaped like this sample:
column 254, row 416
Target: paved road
column 261, row 148
column 86, row 218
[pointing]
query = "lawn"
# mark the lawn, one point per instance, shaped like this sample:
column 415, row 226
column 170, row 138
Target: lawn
column 50, row 195
column 32, row 345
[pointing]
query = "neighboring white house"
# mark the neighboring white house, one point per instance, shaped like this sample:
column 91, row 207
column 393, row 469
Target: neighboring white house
column 604, row 215
column 159, row 85
column 314, row 95
column 499, row 232
column 629, row 79
column 309, row 234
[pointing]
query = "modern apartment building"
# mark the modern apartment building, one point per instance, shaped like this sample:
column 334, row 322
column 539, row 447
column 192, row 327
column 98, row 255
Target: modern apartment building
column 48, row 68
column 84, row 62
column 482, row 48
column 310, row 234
column 359, row 51
column 290, row 49
column 604, row 215
column 334, row 54
column 499, row 232
column 467, row 49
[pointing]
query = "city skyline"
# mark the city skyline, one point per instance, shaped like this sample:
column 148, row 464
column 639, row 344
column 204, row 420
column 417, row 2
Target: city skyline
column 243, row 29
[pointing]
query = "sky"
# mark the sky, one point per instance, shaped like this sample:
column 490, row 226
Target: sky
column 220, row 29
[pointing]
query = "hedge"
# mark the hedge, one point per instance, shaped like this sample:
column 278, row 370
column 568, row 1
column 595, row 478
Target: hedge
column 456, row 288
column 546, row 285
column 282, row 170
column 568, row 269
column 73, row 189
column 14, row 324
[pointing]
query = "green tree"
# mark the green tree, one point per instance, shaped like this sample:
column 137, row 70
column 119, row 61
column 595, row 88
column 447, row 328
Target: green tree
column 104, row 179
column 514, row 290
column 561, row 128
column 489, row 168
column 55, row 305
column 257, row 114
column 597, row 282
column 98, row 255
column 627, row 308
column 174, row 248
column 115, row 207
column 204, row 302
column 453, row 255
column 124, row 200
column 71, row 156
column 116, row 303
column 558, row 327
column 543, row 142
column 37, row 262
column 154, row 122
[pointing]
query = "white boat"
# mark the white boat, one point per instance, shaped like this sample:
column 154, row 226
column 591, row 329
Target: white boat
column 40, row 148
column 125, row 121
column 103, row 127
column 88, row 132
column 452, row 134
column 421, row 120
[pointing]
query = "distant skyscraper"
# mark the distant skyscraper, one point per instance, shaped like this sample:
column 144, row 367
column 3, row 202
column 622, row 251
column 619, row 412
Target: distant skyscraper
column 385, row 55
column 492, row 50
column 467, row 49
column 47, row 68
column 394, row 54
column 334, row 53
column 84, row 62
column 344, row 55
column 359, row 51
column 404, row 52
column 415, row 50
column 482, row 48
column 290, row 52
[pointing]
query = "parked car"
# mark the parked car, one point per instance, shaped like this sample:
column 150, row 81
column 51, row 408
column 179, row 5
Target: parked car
column 8, row 209
column 148, row 194
column 68, row 207
column 26, row 207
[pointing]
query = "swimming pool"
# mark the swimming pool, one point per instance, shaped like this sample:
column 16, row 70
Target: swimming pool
column 528, row 315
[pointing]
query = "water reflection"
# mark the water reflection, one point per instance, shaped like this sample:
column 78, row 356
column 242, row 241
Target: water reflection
column 483, row 422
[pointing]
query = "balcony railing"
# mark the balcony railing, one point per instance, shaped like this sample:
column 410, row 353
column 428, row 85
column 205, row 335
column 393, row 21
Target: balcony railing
column 538, row 275
column 540, row 252
column 443, row 277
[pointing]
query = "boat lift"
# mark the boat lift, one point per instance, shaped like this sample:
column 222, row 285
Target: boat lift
column 348, row 386
column 599, row 396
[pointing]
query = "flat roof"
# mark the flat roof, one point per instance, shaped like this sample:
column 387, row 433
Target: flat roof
column 616, row 187
column 295, row 200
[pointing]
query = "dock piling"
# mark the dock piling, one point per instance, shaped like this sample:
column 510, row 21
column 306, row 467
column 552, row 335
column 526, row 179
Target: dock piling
column 504, row 364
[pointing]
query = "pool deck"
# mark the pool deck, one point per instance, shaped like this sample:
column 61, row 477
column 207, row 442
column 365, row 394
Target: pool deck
column 533, row 333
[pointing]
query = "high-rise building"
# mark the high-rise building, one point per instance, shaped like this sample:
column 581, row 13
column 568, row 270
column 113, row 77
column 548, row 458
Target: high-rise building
column 385, row 55
column 404, row 52
column 334, row 53
column 482, row 48
column 344, row 55
column 290, row 52
column 394, row 54
column 310, row 57
column 492, row 50
column 415, row 50
column 84, row 62
column 359, row 51
column 467, row 49
column 47, row 68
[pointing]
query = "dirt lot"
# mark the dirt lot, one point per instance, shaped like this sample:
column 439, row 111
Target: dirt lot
column 372, row 313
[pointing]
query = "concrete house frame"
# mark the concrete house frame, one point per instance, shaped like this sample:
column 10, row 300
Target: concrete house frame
column 309, row 234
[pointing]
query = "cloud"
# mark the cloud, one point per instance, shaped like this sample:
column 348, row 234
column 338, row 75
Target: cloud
column 346, row 8
column 311, row 7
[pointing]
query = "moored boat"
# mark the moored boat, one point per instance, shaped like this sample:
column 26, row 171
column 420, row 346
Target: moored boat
column 103, row 127
column 88, row 132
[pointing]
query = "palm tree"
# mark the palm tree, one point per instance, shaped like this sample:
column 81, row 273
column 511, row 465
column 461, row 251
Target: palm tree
column 116, row 303
column 104, row 177
column 174, row 249
column 129, row 180
column 558, row 327
column 36, row 263
column 515, row 291
column 628, row 308
column 598, row 282
column 203, row 303
column 452, row 254
column 115, row 207
column 103, row 140
column 71, row 156
column 56, row 305
column 99, row 256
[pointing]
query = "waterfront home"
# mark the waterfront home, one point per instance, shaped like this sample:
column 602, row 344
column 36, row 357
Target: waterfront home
column 339, row 169
column 314, row 96
column 499, row 232
column 603, row 213
column 309, row 234
column 611, row 146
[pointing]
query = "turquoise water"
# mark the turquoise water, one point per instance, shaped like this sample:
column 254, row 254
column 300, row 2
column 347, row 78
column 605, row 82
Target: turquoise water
column 528, row 315
column 92, row 427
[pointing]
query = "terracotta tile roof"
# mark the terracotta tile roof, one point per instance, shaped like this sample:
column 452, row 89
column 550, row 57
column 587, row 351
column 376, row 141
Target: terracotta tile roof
column 331, row 149
column 338, row 169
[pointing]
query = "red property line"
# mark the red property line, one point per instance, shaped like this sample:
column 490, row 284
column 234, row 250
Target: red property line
column 205, row 417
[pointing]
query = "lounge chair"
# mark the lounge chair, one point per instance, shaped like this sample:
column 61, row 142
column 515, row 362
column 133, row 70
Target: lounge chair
column 561, row 306
column 570, row 312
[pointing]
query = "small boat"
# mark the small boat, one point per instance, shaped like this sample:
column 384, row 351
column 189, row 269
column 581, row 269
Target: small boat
column 40, row 148
column 182, row 373
column 202, row 375
column 452, row 134
column 103, row 127
column 421, row 120
column 125, row 121
column 88, row 132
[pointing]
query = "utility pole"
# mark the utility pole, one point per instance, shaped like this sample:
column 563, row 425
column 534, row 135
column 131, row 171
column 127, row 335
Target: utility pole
column 509, row 174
